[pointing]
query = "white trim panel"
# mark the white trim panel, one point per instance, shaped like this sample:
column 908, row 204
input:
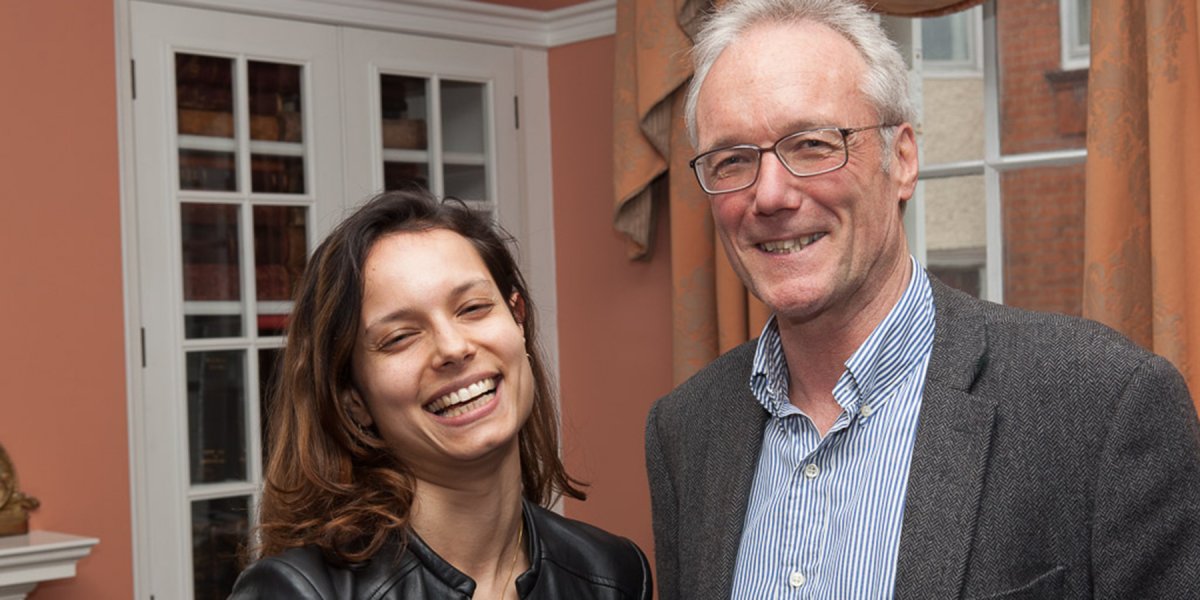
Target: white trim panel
column 453, row 19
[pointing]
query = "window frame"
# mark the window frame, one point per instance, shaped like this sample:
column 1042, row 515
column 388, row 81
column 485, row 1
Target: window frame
column 972, row 66
column 992, row 166
column 1076, row 53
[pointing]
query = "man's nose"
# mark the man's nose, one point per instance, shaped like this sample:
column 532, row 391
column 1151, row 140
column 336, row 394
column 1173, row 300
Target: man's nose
column 776, row 188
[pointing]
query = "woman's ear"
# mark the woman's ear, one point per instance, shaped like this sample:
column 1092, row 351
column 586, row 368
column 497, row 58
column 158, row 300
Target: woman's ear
column 516, row 305
column 357, row 408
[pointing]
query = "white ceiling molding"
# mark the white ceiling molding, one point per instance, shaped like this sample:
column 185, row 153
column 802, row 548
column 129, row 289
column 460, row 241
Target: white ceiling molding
column 456, row 19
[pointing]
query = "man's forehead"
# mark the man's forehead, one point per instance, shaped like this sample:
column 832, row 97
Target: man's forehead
column 778, row 78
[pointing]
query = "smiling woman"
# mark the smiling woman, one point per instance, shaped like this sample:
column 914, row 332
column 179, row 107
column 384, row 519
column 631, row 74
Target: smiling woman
column 414, row 442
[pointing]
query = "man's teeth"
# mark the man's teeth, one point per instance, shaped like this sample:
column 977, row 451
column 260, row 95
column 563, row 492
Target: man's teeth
column 792, row 245
column 460, row 401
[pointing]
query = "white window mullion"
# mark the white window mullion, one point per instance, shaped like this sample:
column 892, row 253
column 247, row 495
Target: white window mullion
column 993, row 285
column 437, row 163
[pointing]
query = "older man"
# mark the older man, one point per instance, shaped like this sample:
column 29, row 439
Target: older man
column 887, row 436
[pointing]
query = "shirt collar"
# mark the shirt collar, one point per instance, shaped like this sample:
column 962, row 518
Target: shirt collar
column 905, row 335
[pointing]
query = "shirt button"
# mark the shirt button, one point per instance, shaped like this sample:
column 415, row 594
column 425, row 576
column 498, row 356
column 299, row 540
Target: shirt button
column 866, row 410
column 811, row 470
column 796, row 579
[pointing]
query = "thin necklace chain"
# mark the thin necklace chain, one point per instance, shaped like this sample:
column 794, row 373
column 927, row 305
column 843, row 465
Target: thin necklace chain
column 508, row 581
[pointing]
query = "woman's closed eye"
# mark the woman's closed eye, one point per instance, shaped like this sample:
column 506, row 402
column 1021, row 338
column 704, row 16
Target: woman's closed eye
column 477, row 308
column 396, row 339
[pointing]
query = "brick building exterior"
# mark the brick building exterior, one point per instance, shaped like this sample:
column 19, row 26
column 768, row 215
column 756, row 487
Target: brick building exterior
column 1042, row 108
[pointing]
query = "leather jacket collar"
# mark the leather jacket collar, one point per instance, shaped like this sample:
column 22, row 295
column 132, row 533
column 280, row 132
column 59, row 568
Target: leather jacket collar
column 568, row 559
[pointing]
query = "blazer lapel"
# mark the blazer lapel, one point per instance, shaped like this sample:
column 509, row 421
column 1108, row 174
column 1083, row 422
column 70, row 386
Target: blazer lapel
column 732, row 460
column 950, row 455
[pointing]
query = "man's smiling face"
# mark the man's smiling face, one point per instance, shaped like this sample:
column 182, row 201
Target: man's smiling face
column 805, row 245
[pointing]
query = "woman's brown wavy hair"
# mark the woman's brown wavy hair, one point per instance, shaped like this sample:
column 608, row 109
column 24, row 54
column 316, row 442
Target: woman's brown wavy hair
column 328, row 482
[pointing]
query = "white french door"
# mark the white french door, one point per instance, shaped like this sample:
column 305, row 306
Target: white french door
column 253, row 136
column 440, row 114
column 238, row 162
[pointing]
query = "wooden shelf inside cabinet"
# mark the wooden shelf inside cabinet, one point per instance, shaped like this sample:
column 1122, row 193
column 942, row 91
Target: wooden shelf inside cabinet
column 466, row 159
column 405, row 156
column 284, row 126
column 404, row 134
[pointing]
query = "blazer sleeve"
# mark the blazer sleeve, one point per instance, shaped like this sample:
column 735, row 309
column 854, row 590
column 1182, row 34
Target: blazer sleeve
column 274, row 579
column 664, row 508
column 1146, row 537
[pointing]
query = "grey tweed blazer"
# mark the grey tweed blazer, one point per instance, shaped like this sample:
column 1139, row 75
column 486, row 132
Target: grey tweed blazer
column 1053, row 459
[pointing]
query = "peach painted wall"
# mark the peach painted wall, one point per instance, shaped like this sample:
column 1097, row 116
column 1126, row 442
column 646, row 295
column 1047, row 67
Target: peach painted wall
column 63, row 408
column 614, row 315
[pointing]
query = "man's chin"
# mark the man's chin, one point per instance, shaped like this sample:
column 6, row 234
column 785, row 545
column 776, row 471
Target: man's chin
column 795, row 304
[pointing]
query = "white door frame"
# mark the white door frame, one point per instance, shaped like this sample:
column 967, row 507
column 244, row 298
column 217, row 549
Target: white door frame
column 531, row 33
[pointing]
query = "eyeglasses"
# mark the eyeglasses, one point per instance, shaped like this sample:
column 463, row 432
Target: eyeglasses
column 803, row 154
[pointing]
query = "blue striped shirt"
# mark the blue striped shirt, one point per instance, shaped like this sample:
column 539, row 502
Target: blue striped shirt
column 823, row 520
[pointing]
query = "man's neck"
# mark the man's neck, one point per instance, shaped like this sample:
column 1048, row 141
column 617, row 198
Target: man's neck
column 816, row 350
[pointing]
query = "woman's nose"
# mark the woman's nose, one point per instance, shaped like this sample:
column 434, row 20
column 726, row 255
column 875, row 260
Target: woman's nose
column 452, row 345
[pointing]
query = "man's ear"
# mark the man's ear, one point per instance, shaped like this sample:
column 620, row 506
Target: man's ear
column 516, row 305
column 905, row 162
column 357, row 407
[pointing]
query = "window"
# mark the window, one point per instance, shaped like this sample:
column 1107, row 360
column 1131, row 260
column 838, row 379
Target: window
column 999, row 205
column 950, row 43
column 1076, row 33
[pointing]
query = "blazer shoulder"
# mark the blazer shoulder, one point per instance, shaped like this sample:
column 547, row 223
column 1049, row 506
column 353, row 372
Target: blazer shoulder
column 591, row 554
column 1032, row 348
column 730, row 370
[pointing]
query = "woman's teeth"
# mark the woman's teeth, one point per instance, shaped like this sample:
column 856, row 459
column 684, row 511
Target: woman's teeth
column 792, row 245
column 464, row 400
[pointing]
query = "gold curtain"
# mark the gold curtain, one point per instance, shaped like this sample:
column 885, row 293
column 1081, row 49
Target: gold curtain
column 711, row 310
column 1141, row 250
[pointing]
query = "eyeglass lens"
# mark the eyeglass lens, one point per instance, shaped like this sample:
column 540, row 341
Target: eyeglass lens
column 804, row 153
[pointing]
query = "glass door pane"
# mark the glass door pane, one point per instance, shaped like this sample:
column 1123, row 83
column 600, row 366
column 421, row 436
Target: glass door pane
column 404, row 108
column 464, row 140
column 216, row 392
column 219, row 529
column 280, row 253
column 212, row 306
column 268, row 370
column 276, row 128
column 204, row 96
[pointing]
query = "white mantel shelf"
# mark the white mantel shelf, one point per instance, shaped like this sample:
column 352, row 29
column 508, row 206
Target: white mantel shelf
column 27, row 560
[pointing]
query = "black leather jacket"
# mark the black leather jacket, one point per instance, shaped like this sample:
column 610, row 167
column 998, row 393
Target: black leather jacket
column 568, row 560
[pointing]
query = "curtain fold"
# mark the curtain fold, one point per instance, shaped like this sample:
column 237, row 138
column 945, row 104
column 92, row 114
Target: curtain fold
column 652, row 65
column 1141, row 264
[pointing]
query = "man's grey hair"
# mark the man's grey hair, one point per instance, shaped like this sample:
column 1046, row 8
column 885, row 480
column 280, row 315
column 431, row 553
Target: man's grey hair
column 885, row 83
